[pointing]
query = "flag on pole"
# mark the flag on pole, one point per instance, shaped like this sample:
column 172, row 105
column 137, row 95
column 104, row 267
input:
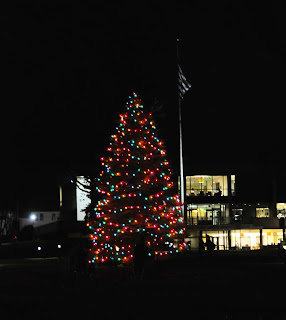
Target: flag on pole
column 183, row 84
column 183, row 87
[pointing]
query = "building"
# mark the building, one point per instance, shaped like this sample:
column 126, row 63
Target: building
column 74, row 198
column 39, row 219
column 239, row 209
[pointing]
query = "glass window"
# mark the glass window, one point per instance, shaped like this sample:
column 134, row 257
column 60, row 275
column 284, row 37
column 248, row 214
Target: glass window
column 271, row 236
column 188, row 185
column 220, row 185
column 232, row 180
column 203, row 185
column 219, row 238
column 61, row 196
column 53, row 216
column 237, row 214
column 281, row 210
column 207, row 214
column 246, row 239
column 262, row 212
column 41, row 216
column 198, row 185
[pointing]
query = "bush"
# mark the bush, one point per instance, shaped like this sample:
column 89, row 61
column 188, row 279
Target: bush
column 27, row 233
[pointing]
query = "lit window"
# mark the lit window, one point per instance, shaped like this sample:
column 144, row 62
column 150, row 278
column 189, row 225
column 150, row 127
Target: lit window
column 271, row 236
column 262, row 212
column 204, row 185
column 281, row 210
column 246, row 239
column 232, row 180
column 237, row 215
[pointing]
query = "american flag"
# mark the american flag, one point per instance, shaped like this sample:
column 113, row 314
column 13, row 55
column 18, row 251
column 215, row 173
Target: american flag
column 183, row 84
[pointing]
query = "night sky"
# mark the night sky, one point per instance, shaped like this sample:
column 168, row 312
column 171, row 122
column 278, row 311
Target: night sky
column 67, row 71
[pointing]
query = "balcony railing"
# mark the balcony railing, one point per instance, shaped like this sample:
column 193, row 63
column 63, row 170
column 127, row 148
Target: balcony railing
column 208, row 222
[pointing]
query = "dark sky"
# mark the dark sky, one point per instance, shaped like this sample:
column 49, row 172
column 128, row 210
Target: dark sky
column 66, row 72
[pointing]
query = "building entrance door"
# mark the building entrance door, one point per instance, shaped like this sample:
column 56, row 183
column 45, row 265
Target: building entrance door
column 216, row 216
column 210, row 216
column 213, row 216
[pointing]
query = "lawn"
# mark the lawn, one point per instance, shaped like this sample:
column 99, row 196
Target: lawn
column 222, row 287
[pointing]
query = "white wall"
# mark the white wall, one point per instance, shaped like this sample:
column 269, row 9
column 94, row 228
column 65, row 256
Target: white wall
column 82, row 199
column 35, row 218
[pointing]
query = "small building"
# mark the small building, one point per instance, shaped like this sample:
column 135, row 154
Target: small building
column 39, row 218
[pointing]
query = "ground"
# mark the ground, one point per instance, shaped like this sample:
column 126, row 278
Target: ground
column 225, row 286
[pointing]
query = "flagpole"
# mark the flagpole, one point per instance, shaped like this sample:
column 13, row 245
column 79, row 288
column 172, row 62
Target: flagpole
column 182, row 181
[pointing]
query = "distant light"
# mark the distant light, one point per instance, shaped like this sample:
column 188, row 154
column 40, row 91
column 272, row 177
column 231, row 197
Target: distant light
column 33, row 217
column 39, row 248
column 59, row 246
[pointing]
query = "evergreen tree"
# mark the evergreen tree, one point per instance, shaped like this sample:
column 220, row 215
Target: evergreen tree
column 137, row 192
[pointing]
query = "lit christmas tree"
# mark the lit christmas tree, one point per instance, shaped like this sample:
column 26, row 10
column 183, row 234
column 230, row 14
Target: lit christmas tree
column 137, row 192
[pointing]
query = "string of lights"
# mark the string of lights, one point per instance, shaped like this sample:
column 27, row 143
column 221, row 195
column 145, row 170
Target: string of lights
column 137, row 192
